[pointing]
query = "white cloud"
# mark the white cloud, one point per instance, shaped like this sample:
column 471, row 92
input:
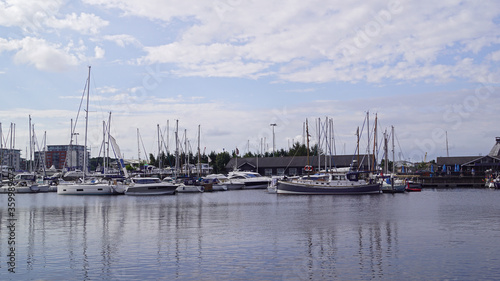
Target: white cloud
column 495, row 56
column 99, row 52
column 122, row 39
column 83, row 23
column 44, row 55
column 34, row 16
column 365, row 39
column 48, row 56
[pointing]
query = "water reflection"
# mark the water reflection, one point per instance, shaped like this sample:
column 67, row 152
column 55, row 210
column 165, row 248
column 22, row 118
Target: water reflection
column 247, row 235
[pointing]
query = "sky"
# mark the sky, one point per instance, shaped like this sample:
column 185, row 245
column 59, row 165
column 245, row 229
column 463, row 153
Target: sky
column 232, row 68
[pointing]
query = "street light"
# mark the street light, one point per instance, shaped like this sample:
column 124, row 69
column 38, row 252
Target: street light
column 273, row 125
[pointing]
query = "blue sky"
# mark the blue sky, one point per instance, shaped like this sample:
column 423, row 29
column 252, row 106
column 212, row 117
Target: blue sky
column 429, row 68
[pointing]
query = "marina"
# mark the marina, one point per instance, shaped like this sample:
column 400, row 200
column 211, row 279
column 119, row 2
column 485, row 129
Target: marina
column 251, row 234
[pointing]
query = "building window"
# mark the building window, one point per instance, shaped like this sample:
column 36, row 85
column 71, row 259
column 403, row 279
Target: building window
column 292, row 171
column 268, row 172
column 281, row 172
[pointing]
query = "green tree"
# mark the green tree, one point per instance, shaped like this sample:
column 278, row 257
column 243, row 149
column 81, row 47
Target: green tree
column 221, row 161
column 152, row 160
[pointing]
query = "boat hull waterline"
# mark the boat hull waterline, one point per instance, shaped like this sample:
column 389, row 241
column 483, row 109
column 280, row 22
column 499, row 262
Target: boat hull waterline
column 151, row 190
column 90, row 189
column 311, row 189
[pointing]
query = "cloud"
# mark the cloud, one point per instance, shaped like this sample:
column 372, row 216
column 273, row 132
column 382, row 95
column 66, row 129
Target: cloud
column 345, row 41
column 122, row 40
column 83, row 23
column 495, row 56
column 44, row 55
column 36, row 17
column 99, row 52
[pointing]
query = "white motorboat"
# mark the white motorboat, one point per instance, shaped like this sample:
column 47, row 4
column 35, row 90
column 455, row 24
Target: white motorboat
column 189, row 185
column 252, row 180
column 25, row 183
column 150, row 186
column 220, row 181
column 25, row 187
column 73, row 175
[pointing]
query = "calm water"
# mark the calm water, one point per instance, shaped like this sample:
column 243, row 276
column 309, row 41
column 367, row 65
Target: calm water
column 250, row 234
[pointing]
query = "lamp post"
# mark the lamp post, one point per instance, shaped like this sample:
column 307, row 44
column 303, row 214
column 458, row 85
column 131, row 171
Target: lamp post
column 273, row 125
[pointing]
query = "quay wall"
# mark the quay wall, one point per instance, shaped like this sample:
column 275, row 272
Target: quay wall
column 453, row 182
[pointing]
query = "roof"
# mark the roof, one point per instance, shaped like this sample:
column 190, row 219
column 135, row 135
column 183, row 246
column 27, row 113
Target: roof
column 296, row 161
column 459, row 160
column 495, row 150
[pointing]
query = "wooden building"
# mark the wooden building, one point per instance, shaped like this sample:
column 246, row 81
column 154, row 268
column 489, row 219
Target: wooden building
column 470, row 165
column 294, row 165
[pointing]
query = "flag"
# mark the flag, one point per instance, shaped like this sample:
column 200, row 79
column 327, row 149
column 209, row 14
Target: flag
column 237, row 151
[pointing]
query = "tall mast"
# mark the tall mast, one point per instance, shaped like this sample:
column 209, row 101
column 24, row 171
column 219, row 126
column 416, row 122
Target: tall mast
column 31, row 146
column 357, row 145
column 318, row 129
column 109, row 140
column 159, row 145
column 186, row 151
column 45, row 152
column 368, row 131
column 375, row 143
column 86, row 128
column 138, row 148
column 176, row 147
column 386, row 150
column 447, row 151
column 199, row 169
column 307, row 138
column 393, row 157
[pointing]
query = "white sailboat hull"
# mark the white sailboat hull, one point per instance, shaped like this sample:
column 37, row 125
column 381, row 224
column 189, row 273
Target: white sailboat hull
column 90, row 189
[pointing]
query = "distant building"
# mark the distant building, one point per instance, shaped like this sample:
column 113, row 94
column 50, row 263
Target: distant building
column 10, row 158
column 294, row 165
column 62, row 156
column 470, row 165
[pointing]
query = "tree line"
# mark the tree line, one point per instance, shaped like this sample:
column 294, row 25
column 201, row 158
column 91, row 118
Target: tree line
column 218, row 161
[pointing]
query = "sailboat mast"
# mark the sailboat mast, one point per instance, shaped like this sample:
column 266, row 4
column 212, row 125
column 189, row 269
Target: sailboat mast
column 199, row 169
column 375, row 143
column 86, row 128
column 368, row 131
column 159, row 146
column 307, row 137
column 31, row 146
column 447, row 151
column 186, row 151
column 357, row 144
column 386, row 160
column 176, row 147
column 138, row 148
column 108, row 136
column 393, row 157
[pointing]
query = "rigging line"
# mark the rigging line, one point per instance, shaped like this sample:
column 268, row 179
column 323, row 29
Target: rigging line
column 96, row 99
column 144, row 148
column 397, row 139
column 290, row 162
column 359, row 134
column 79, row 109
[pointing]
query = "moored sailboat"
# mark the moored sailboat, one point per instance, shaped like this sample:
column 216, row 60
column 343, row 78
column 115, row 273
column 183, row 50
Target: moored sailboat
column 333, row 183
column 93, row 187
